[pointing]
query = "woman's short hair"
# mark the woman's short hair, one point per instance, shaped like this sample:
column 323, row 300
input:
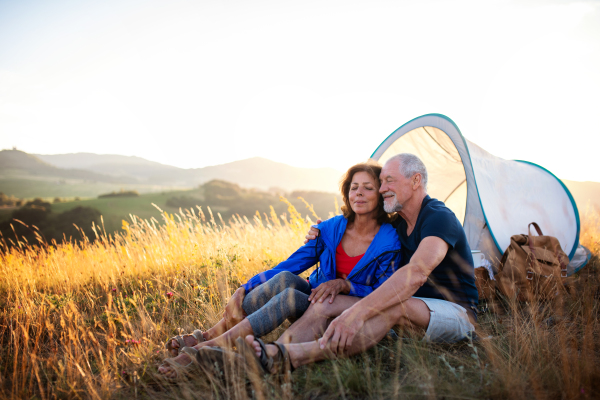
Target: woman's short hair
column 373, row 169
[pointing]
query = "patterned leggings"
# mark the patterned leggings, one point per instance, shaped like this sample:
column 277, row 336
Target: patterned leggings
column 283, row 296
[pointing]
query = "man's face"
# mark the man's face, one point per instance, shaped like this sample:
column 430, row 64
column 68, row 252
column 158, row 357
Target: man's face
column 395, row 188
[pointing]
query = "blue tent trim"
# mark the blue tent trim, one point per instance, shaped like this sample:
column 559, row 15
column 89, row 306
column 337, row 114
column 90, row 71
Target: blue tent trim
column 469, row 154
column 475, row 180
column 575, row 209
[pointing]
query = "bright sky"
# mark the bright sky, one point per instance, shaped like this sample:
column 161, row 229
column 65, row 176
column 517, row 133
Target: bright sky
column 309, row 83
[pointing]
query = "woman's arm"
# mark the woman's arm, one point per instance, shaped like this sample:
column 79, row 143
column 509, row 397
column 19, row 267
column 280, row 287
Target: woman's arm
column 301, row 260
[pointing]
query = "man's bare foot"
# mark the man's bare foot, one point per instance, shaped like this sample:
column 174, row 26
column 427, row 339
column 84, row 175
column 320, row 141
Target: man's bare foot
column 189, row 341
column 272, row 350
column 169, row 371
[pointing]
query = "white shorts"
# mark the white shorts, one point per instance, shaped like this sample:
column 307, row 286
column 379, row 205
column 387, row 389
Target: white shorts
column 448, row 322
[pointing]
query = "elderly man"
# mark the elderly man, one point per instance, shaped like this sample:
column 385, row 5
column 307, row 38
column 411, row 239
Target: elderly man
column 434, row 291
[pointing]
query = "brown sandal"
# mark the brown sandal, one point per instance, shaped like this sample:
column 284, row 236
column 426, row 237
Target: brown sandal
column 278, row 364
column 179, row 338
column 181, row 369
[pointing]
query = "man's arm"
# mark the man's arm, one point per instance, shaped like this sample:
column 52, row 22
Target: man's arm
column 397, row 289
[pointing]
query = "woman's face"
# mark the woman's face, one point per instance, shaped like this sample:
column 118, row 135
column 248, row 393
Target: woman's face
column 364, row 193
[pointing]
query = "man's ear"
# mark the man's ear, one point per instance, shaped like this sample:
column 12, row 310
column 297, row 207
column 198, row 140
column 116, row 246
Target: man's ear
column 416, row 181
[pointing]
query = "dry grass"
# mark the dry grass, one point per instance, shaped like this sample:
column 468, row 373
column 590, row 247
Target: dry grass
column 90, row 321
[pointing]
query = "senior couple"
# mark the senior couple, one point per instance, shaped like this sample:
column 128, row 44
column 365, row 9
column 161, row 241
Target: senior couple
column 373, row 274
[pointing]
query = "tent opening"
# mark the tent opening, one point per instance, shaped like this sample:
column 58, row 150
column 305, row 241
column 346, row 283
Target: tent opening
column 446, row 173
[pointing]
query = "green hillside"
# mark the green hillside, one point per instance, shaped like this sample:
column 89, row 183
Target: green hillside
column 222, row 197
column 51, row 187
column 114, row 210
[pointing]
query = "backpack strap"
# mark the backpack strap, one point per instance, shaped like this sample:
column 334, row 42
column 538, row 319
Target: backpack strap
column 529, row 272
column 537, row 228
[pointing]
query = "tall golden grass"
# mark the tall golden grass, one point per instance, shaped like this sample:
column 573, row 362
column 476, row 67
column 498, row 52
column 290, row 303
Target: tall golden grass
column 90, row 320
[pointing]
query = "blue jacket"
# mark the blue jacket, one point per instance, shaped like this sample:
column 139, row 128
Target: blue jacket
column 380, row 261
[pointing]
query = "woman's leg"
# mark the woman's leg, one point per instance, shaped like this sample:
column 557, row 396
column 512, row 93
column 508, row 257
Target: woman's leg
column 253, row 301
column 281, row 297
column 261, row 295
column 290, row 303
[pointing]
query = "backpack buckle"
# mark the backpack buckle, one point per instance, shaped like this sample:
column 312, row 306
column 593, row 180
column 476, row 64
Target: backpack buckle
column 563, row 273
column 529, row 275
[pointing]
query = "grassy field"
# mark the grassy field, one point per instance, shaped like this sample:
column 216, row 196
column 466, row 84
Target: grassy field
column 90, row 321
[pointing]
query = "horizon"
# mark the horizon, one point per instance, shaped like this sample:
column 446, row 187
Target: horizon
column 233, row 161
column 154, row 161
column 310, row 85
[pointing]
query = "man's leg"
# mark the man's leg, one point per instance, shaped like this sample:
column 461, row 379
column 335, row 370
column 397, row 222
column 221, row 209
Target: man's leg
column 315, row 320
column 412, row 314
column 449, row 321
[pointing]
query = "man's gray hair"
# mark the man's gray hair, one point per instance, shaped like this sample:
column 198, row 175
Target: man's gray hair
column 411, row 165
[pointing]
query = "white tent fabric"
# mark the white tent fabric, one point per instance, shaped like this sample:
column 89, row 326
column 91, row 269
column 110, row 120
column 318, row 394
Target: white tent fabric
column 492, row 197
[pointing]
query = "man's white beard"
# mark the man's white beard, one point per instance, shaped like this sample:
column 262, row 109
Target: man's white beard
column 394, row 207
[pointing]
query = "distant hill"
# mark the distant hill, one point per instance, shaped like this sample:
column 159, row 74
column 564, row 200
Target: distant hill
column 87, row 174
column 263, row 174
column 254, row 172
column 19, row 163
column 109, row 164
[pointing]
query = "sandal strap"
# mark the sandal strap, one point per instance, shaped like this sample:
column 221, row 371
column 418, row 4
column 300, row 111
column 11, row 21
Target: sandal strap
column 176, row 366
column 284, row 359
column 190, row 351
column 265, row 361
column 198, row 335
column 179, row 340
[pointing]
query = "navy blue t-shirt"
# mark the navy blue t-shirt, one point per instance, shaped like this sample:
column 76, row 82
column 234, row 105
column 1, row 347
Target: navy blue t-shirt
column 454, row 279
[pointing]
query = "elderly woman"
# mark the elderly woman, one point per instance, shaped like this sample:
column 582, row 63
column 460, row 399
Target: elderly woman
column 355, row 253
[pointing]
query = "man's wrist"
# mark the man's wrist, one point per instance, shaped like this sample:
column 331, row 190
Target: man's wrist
column 361, row 312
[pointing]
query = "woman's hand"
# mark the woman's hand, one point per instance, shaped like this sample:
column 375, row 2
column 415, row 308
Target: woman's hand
column 332, row 288
column 234, row 312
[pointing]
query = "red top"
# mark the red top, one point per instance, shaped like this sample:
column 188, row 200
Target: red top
column 344, row 263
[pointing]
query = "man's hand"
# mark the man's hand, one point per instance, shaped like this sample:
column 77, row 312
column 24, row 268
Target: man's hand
column 234, row 312
column 312, row 233
column 332, row 288
column 342, row 331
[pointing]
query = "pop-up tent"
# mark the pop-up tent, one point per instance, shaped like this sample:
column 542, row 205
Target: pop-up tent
column 493, row 198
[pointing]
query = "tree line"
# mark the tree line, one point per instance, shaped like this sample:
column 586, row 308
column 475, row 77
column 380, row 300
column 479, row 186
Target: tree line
column 35, row 223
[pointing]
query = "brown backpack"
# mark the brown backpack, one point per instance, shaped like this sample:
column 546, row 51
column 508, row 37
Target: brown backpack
column 532, row 268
